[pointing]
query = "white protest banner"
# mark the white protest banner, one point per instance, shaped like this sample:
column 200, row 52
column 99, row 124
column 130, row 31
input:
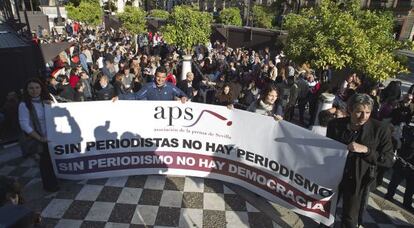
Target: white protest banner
column 280, row 161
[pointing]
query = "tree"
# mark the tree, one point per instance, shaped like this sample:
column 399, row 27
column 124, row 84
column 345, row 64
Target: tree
column 344, row 36
column 230, row 16
column 133, row 19
column 262, row 16
column 157, row 13
column 88, row 11
column 187, row 27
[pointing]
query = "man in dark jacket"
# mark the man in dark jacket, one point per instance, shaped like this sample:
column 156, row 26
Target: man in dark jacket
column 369, row 145
column 187, row 85
column 107, row 90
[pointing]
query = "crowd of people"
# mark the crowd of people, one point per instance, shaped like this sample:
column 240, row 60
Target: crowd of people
column 111, row 65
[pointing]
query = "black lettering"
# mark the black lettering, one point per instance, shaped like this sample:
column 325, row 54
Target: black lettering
column 240, row 153
column 187, row 143
column 298, row 179
column 197, row 145
column 174, row 142
column 59, row 150
column 274, row 166
column 188, row 115
column 100, row 145
column 157, row 141
column 148, row 142
column 259, row 160
column 75, row 148
column 89, row 145
column 311, row 187
column 110, row 144
column 249, row 156
column 284, row 171
column 172, row 116
column 165, row 142
column 125, row 142
column 210, row 147
column 291, row 175
column 325, row 192
column 135, row 142
column 159, row 114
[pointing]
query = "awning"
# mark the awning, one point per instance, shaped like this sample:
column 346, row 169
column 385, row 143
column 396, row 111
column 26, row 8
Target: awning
column 50, row 51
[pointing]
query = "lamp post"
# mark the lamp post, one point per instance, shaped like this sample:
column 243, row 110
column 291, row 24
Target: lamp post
column 59, row 21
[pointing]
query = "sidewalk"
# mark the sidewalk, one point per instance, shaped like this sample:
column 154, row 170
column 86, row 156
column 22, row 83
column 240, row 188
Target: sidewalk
column 170, row 201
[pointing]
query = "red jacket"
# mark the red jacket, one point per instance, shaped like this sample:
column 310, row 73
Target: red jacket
column 171, row 79
column 76, row 27
column 73, row 80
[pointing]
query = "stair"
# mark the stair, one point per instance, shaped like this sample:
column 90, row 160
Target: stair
column 9, row 152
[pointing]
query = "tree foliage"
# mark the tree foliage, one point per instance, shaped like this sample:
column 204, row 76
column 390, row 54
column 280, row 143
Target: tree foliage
column 133, row 19
column 157, row 13
column 187, row 27
column 230, row 16
column 344, row 36
column 262, row 16
column 88, row 12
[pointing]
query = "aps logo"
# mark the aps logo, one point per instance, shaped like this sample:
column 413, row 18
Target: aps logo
column 175, row 113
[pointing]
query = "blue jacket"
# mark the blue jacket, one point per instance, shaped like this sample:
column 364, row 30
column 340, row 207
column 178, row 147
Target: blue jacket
column 150, row 91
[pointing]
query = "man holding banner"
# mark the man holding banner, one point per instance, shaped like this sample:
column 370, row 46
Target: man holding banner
column 369, row 145
column 159, row 90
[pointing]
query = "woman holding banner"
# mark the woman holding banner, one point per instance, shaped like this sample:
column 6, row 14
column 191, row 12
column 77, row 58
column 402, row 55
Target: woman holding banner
column 33, row 123
column 268, row 103
column 369, row 146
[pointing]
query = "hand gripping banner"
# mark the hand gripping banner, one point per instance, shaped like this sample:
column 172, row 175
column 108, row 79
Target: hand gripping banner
column 280, row 161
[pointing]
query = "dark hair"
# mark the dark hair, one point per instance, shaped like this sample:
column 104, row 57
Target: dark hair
column 161, row 69
column 62, row 77
column 44, row 94
column 324, row 117
column 267, row 90
column 118, row 76
column 78, row 85
column 359, row 99
column 9, row 186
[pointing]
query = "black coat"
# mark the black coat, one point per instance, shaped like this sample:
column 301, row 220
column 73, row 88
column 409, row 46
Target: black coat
column 360, row 168
column 106, row 93
column 188, row 90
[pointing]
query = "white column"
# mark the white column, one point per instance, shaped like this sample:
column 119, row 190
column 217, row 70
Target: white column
column 120, row 4
column 186, row 66
column 324, row 104
column 135, row 3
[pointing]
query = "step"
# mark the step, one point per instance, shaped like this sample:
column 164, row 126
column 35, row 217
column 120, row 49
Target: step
column 9, row 152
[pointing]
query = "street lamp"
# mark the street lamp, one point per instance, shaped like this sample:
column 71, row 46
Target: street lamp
column 59, row 20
